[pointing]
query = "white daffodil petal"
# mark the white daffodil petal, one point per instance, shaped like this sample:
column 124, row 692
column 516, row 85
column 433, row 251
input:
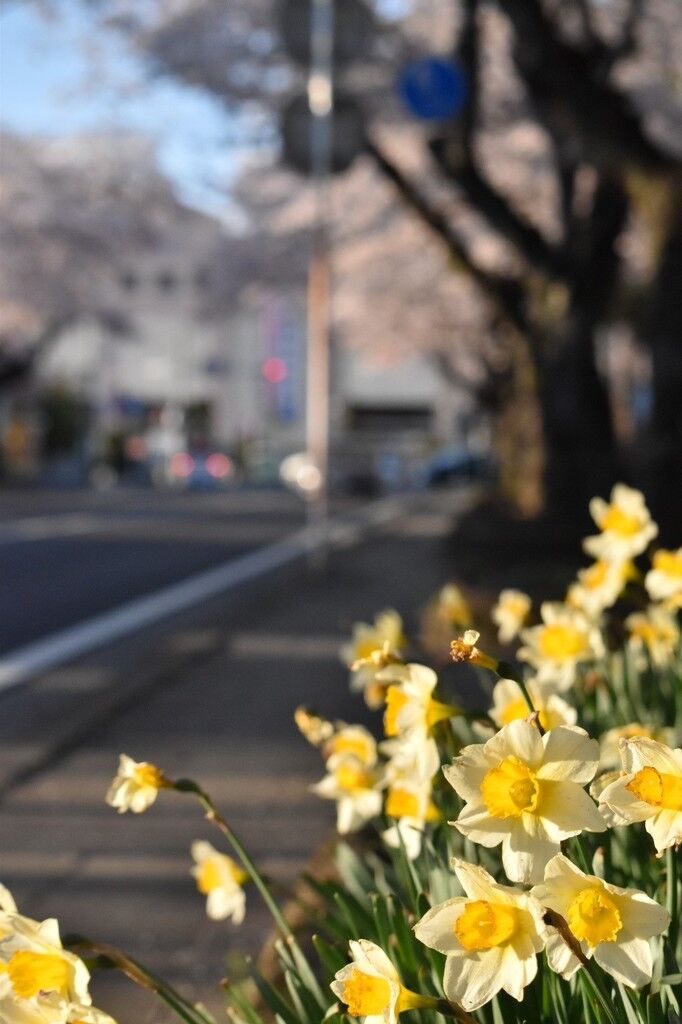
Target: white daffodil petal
column 642, row 916
column 520, row 739
column 629, row 962
column 477, row 883
column 516, row 973
column 570, row 755
column 526, row 850
column 645, row 752
column 559, row 956
column 368, row 954
column 467, row 771
column 626, row 805
column 437, row 927
column 475, row 822
column 665, row 829
column 567, row 810
column 473, row 981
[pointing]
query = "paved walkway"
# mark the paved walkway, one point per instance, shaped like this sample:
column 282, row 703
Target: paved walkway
column 210, row 697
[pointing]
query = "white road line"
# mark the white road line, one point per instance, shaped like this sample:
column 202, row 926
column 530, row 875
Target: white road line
column 23, row 663
column 44, row 527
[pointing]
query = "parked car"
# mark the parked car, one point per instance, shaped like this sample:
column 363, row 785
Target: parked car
column 196, row 470
column 449, row 465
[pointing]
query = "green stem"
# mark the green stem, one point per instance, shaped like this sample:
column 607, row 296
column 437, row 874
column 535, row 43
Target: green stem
column 213, row 815
column 591, row 976
column 507, row 671
column 671, row 904
column 107, row 957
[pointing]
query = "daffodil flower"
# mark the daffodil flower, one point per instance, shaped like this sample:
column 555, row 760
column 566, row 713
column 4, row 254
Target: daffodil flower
column 367, row 639
column 446, row 614
column 609, row 743
column 611, row 924
column 352, row 739
column 220, row 880
column 411, row 805
column 370, row 986
column 509, row 705
column 355, row 787
column 510, row 614
column 464, row 649
column 649, row 790
column 136, row 785
column 411, row 711
column 490, row 938
column 524, row 790
column 415, row 760
column 654, row 633
column 565, row 639
column 316, row 729
column 40, row 982
column 598, row 587
column 625, row 523
column 664, row 579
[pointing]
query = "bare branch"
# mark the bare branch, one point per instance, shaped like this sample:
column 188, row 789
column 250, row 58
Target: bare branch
column 572, row 97
column 496, row 210
column 506, row 292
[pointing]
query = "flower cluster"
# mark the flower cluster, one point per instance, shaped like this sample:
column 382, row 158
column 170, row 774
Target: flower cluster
column 523, row 854
column 524, row 789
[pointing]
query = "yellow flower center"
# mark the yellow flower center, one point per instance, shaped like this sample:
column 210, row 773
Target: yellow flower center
column 209, row 877
column 147, row 775
column 518, row 708
column 628, row 732
column 484, row 925
column 593, row 916
column 562, row 643
column 668, row 562
column 514, row 710
column 657, row 788
column 33, row 973
column 374, row 694
column 620, row 522
column 400, row 803
column 365, row 994
column 510, row 789
column 515, row 607
column 395, row 702
column 355, row 745
column 353, row 778
column 595, row 576
column 652, row 634
column 437, row 712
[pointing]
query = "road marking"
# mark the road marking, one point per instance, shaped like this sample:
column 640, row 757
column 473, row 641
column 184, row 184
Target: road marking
column 25, row 662
column 44, row 527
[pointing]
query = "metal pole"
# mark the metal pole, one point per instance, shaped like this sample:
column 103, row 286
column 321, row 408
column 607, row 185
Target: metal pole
column 320, row 101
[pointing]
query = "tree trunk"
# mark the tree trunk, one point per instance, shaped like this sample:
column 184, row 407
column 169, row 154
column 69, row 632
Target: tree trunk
column 659, row 450
column 581, row 457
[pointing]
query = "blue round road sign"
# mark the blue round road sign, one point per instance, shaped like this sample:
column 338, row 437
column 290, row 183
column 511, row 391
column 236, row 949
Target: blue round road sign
column 433, row 88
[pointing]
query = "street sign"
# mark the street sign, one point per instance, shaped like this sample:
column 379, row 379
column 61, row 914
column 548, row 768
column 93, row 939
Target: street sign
column 347, row 134
column 433, row 88
column 353, row 30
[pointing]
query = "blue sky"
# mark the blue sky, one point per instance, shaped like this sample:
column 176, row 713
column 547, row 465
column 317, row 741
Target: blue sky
column 48, row 86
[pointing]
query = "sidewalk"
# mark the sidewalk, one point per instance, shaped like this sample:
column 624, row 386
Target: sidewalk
column 222, row 714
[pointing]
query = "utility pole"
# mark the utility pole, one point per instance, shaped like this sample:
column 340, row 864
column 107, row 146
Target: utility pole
column 321, row 103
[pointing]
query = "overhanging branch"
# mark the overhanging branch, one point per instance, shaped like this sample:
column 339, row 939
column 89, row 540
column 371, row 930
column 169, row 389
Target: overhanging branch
column 505, row 292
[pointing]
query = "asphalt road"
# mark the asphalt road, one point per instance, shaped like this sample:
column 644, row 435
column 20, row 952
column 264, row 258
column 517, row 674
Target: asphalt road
column 66, row 556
